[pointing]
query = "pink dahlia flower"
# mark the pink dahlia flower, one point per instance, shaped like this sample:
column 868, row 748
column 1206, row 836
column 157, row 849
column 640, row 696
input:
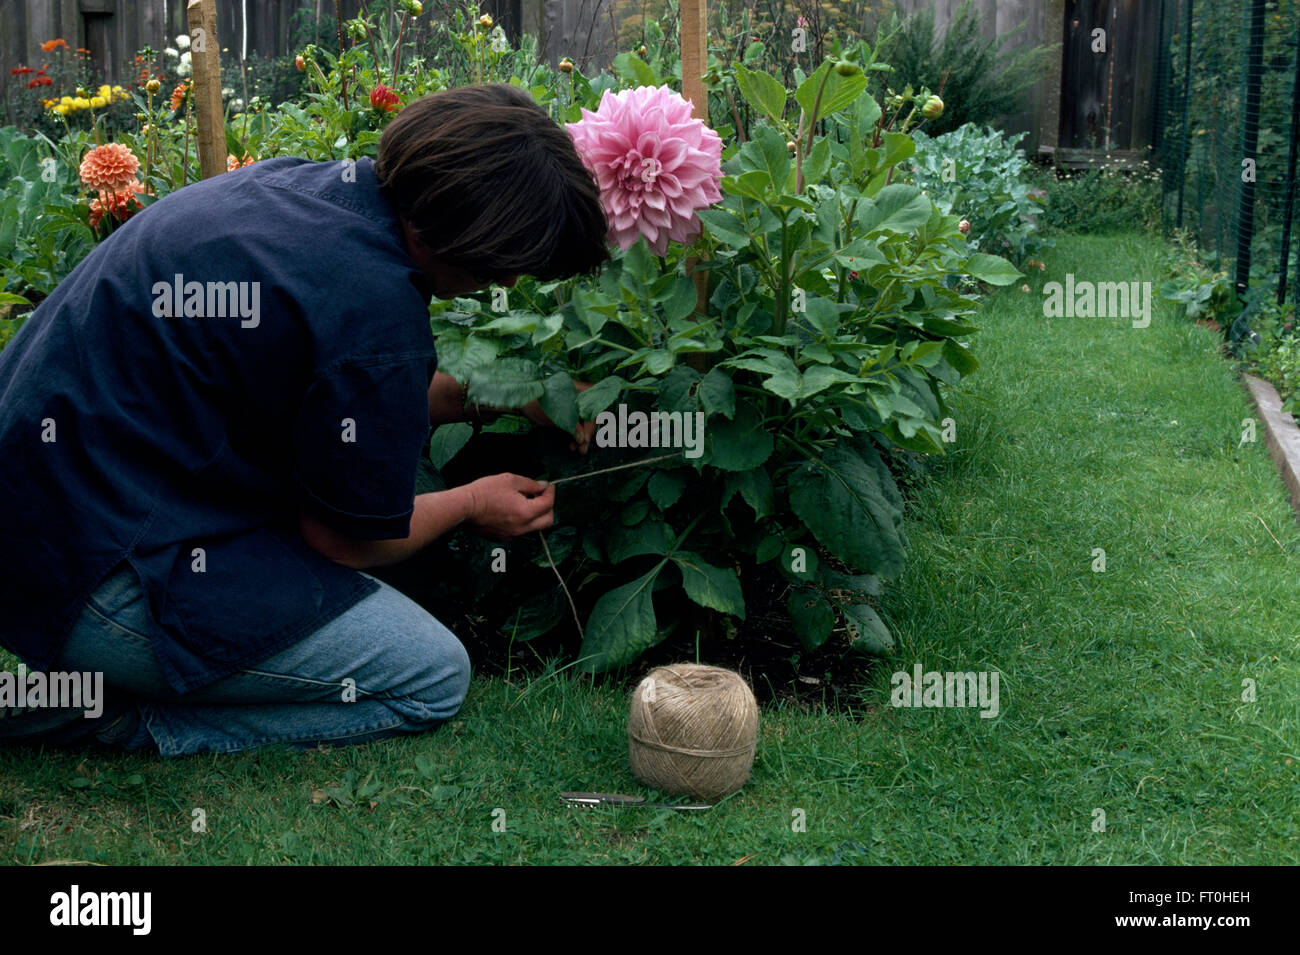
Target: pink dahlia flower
column 655, row 164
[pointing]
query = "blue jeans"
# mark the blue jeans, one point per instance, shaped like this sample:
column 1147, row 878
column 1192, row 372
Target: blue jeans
column 407, row 673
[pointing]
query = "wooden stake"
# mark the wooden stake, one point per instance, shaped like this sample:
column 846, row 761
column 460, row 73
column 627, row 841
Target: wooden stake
column 695, row 63
column 205, row 58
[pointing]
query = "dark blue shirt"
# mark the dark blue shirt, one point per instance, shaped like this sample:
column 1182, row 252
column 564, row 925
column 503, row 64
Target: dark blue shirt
column 184, row 426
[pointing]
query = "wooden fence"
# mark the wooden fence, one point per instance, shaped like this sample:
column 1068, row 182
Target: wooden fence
column 1084, row 101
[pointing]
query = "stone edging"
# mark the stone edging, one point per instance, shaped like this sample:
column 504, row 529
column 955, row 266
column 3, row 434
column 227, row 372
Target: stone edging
column 1281, row 434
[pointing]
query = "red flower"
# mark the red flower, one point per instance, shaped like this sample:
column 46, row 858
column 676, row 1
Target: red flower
column 19, row 71
column 40, row 81
column 384, row 98
column 119, row 204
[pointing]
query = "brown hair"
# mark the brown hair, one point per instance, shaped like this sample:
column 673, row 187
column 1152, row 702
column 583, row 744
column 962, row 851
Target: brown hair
column 493, row 185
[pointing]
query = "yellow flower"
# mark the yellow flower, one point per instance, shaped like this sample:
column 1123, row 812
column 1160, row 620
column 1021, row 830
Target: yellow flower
column 61, row 109
column 81, row 103
column 104, row 90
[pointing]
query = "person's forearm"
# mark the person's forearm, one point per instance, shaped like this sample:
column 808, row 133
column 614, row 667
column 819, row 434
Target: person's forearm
column 445, row 400
column 447, row 404
column 435, row 514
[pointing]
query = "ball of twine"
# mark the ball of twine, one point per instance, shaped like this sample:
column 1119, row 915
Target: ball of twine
column 693, row 730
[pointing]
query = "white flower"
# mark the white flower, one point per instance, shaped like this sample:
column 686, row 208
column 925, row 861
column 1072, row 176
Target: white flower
column 183, row 68
column 183, row 41
column 227, row 91
column 170, row 52
column 237, row 105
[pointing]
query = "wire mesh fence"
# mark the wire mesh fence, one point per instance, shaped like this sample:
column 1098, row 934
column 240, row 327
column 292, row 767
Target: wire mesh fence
column 1229, row 125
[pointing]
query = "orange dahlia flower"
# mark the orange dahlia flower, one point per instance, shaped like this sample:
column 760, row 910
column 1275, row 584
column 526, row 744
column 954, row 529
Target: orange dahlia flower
column 111, row 166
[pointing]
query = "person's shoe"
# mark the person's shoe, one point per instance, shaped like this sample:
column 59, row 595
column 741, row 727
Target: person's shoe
column 62, row 725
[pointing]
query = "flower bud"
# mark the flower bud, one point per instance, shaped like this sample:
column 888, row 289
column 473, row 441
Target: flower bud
column 566, row 65
column 845, row 68
column 933, row 108
column 790, row 145
column 964, row 226
column 153, row 86
column 485, row 21
column 299, row 62
column 640, row 51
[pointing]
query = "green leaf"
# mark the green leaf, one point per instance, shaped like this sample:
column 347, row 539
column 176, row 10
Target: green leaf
column 459, row 353
column 992, row 269
column 768, row 548
column 840, row 92
column 538, row 615
column 513, row 322
column 681, row 302
column 665, row 488
column 851, row 507
column 584, row 306
column 725, row 226
column 867, row 632
column 447, row 441
column 633, row 514
column 639, row 265
column 675, row 390
column 9, row 298
column 762, row 91
column 754, row 486
column 560, row 401
column 622, row 625
column 750, row 184
column 812, row 616
column 506, row 383
column 896, row 208
column 599, row 396
column 739, row 444
column 817, row 161
column 960, row 358
column 632, row 67
column 649, row 537
column 717, row 394
column 769, row 152
column 859, row 255
column 717, row 588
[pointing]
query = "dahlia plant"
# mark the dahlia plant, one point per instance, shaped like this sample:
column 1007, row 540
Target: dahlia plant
column 837, row 302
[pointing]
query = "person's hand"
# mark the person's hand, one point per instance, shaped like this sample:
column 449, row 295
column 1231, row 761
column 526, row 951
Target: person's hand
column 503, row 506
column 586, row 430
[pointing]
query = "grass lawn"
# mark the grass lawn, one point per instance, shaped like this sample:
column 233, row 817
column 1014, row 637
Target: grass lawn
column 1120, row 691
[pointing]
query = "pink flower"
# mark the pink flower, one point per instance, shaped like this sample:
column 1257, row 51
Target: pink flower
column 654, row 162
column 963, row 227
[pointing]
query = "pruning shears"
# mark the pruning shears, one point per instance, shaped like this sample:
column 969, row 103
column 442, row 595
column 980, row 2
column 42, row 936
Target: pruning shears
column 587, row 800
